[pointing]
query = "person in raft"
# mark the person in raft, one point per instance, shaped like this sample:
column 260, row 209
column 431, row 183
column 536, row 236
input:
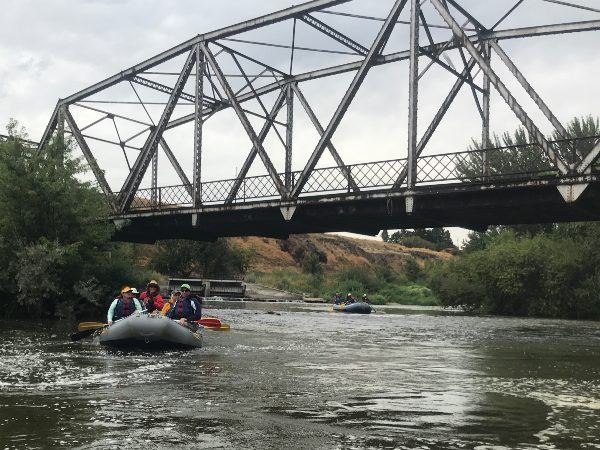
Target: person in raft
column 337, row 300
column 136, row 294
column 122, row 306
column 365, row 298
column 169, row 303
column 151, row 299
column 187, row 308
column 349, row 299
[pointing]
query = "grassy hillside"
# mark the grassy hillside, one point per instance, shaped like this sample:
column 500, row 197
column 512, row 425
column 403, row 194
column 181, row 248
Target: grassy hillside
column 318, row 265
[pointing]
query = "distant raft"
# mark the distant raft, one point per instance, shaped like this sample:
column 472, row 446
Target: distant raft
column 354, row 308
column 149, row 332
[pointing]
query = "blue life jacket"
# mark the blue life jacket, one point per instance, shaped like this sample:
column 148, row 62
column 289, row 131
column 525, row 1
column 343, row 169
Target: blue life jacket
column 188, row 307
column 124, row 308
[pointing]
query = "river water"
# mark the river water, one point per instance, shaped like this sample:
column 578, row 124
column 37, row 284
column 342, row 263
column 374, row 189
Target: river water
column 295, row 376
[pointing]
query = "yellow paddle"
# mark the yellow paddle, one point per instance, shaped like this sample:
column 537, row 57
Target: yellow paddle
column 90, row 325
column 223, row 327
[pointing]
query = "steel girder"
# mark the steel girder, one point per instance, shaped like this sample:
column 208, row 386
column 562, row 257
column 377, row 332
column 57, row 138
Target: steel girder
column 199, row 101
column 436, row 120
column 593, row 25
column 528, row 88
column 374, row 51
column 413, row 94
column 89, row 156
column 173, row 160
column 334, row 153
column 147, row 153
column 485, row 125
column 500, row 86
column 187, row 46
column 210, row 73
column 244, row 119
column 334, row 34
column 289, row 136
column 253, row 152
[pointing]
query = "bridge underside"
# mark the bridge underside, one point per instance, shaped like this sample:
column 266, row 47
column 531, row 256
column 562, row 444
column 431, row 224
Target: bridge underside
column 460, row 206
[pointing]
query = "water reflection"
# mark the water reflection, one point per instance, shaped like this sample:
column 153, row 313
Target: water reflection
column 306, row 378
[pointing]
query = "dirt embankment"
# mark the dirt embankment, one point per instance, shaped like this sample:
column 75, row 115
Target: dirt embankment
column 334, row 251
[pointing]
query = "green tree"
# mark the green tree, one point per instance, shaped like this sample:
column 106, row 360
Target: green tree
column 480, row 240
column 185, row 258
column 385, row 236
column 520, row 158
column 537, row 270
column 547, row 275
column 513, row 155
column 312, row 265
column 432, row 238
column 52, row 235
column 412, row 269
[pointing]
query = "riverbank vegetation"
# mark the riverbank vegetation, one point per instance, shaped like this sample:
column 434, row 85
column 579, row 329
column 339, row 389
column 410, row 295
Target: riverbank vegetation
column 319, row 265
column 545, row 270
column 382, row 288
column 550, row 273
column 57, row 258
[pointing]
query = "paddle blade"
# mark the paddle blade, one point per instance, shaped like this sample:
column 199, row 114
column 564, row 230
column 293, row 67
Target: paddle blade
column 209, row 322
column 82, row 334
column 90, row 325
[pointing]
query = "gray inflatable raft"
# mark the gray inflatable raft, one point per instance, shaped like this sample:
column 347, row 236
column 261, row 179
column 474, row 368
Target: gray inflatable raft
column 354, row 308
column 149, row 332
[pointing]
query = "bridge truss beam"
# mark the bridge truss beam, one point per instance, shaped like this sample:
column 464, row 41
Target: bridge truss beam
column 256, row 80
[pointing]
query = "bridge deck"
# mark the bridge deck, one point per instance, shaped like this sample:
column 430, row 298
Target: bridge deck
column 472, row 206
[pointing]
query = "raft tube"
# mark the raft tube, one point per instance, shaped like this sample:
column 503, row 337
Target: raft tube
column 354, row 308
column 149, row 332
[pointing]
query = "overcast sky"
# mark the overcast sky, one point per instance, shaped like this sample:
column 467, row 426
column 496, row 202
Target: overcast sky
column 50, row 49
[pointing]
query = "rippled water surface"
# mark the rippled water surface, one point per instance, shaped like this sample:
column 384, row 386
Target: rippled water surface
column 301, row 377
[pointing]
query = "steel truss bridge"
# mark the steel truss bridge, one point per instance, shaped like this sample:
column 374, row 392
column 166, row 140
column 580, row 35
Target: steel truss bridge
column 257, row 71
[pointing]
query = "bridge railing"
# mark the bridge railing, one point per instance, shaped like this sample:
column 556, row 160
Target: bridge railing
column 517, row 162
column 323, row 180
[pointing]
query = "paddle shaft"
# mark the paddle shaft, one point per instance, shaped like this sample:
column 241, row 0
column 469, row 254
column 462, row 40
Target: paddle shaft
column 223, row 327
column 83, row 334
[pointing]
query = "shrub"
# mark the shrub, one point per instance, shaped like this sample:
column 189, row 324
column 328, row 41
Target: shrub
column 417, row 242
column 543, row 276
